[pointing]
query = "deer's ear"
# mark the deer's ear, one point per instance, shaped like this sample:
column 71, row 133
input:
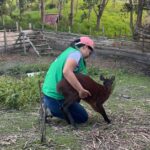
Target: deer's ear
column 102, row 77
column 113, row 78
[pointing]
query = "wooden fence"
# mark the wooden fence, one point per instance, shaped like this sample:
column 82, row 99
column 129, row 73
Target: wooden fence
column 139, row 51
column 7, row 40
column 121, row 47
column 24, row 41
column 8, row 37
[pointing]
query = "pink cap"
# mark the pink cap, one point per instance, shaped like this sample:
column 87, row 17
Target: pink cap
column 87, row 41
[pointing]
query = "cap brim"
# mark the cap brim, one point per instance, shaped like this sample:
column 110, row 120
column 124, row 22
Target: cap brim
column 91, row 48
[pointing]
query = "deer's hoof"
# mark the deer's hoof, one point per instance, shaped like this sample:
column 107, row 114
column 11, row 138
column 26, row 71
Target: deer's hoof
column 108, row 121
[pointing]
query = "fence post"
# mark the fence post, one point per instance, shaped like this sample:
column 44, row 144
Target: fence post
column 17, row 26
column 56, row 27
column 24, row 44
column 5, row 40
column 20, row 29
column 69, row 29
column 30, row 26
column 103, row 30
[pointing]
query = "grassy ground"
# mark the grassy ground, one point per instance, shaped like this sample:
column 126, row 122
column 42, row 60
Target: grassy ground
column 128, row 108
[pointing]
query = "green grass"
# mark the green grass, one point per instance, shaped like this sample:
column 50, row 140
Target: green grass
column 13, row 121
column 128, row 108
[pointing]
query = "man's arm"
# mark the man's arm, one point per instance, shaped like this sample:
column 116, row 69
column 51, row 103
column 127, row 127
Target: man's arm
column 69, row 75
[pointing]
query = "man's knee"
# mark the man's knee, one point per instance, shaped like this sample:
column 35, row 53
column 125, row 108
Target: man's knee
column 83, row 118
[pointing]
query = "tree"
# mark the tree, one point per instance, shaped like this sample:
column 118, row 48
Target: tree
column 130, row 8
column 98, row 6
column 131, row 16
column 3, row 10
column 71, row 13
column 60, row 6
column 21, row 7
column 42, row 8
column 99, row 11
column 87, row 5
column 139, row 13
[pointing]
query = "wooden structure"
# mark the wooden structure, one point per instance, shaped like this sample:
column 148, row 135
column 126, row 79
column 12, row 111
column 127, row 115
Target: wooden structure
column 7, row 39
column 51, row 19
column 120, row 48
column 33, row 40
column 38, row 42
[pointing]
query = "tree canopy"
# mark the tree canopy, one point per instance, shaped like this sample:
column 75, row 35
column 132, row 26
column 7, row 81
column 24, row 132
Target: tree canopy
column 96, row 15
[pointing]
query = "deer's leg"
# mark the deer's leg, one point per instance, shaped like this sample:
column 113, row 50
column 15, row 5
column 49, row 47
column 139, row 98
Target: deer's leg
column 103, row 113
column 67, row 114
column 99, row 108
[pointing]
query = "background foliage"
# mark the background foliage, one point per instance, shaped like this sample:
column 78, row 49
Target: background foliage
column 114, row 22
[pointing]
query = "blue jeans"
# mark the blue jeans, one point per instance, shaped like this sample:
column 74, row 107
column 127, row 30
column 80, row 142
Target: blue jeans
column 77, row 111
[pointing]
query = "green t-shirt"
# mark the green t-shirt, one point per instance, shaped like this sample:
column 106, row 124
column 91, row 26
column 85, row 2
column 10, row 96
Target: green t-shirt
column 55, row 73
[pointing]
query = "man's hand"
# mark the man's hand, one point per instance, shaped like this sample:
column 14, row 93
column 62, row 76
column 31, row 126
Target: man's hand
column 84, row 93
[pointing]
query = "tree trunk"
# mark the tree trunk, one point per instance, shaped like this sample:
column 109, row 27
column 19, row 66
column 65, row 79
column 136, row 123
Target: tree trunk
column 139, row 19
column 89, row 12
column 98, row 22
column 42, row 11
column 71, row 14
column 139, row 14
column 20, row 9
column 60, row 7
column 131, row 16
column 101, row 8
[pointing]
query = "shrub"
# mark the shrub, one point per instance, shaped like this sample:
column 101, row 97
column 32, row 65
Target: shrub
column 24, row 92
column 19, row 94
column 21, row 70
